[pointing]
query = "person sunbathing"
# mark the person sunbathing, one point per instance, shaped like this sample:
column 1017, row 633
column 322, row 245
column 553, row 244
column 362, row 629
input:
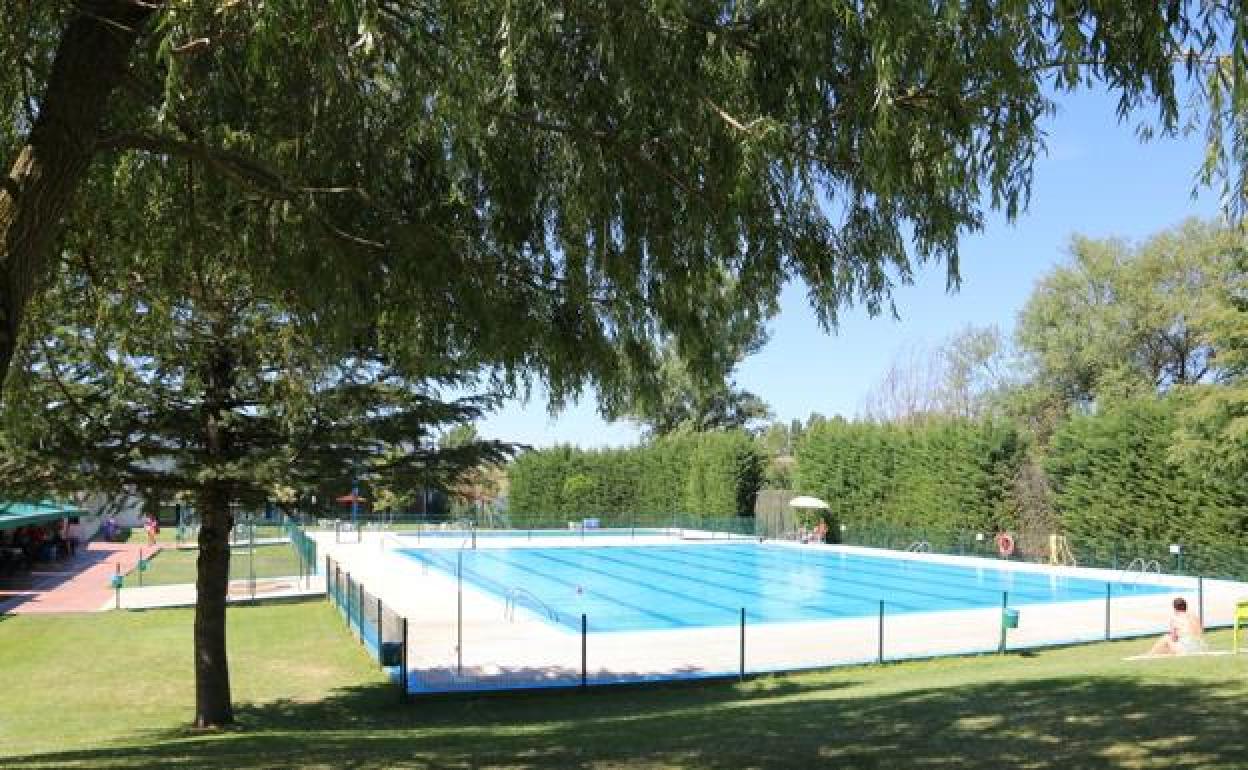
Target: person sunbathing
column 1184, row 636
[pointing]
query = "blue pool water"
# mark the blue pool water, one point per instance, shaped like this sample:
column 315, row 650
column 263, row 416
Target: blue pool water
column 636, row 588
column 521, row 534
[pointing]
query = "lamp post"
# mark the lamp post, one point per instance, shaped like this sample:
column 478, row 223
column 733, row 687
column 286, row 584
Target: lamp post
column 234, row 506
column 424, row 492
column 355, row 492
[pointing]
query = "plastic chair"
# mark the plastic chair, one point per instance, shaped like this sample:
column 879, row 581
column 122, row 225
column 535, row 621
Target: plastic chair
column 1241, row 616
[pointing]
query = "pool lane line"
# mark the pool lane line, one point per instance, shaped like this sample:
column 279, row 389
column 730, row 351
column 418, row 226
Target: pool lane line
column 497, row 588
column 1028, row 591
column 837, row 610
column 967, row 597
column 540, row 553
column 533, row 570
column 1087, row 588
column 1094, row 590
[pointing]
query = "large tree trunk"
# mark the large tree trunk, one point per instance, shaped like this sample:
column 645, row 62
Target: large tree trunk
column 212, row 670
column 90, row 62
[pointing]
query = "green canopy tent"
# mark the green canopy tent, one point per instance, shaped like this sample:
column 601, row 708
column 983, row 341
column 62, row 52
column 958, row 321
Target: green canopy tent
column 14, row 515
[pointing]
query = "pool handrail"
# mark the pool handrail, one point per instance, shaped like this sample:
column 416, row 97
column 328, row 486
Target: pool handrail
column 1139, row 566
column 515, row 594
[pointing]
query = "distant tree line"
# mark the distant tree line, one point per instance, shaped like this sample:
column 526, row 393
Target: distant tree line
column 713, row 474
column 1119, row 410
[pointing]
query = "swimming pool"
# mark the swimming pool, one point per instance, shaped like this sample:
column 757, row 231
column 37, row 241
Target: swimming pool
column 528, row 534
column 658, row 587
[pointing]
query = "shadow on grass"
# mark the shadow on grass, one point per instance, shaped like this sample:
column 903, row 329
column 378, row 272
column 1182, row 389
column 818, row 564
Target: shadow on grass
column 1048, row 723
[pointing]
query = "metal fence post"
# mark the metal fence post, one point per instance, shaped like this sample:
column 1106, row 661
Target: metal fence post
column 459, row 614
column 584, row 651
column 345, row 594
column 743, row 644
column 879, row 658
column 1005, row 603
column 380, row 638
column 1200, row 600
column 251, row 564
column 1108, row 595
column 403, row 666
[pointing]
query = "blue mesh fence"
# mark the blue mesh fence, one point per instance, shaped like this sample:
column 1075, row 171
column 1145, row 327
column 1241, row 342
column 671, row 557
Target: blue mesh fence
column 304, row 545
column 381, row 631
column 347, row 528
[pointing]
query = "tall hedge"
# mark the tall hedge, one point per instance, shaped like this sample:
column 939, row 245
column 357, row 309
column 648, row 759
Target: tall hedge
column 941, row 473
column 1114, row 475
column 713, row 474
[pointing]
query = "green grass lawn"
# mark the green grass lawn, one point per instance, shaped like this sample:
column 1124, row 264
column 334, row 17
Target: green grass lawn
column 171, row 566
column 169, row 533
column 165, row 535
column 114, row 690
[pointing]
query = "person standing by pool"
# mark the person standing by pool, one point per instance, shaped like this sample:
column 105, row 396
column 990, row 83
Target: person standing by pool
column 73, row 534
column 110, row 528
column 1185, row 633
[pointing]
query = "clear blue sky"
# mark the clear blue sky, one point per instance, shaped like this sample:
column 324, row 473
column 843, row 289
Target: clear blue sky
column 1098, row 179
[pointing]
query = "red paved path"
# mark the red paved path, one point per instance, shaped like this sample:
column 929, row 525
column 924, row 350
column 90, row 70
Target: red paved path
column 80, row 584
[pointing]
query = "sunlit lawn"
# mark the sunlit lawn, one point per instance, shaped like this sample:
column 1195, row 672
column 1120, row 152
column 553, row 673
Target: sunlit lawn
column 115, row 690
column 169, row 534
column 171, row 566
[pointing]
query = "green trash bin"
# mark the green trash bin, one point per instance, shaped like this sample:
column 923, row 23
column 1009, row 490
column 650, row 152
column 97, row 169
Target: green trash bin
column 1009, row 618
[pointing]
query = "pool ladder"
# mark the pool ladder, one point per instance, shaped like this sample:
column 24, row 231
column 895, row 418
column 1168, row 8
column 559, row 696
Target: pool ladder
column 1141, row 566
column 515, row 595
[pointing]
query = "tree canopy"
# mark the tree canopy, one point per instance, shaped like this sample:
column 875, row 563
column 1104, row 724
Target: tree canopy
column 966, row 375
column 1125, row 319
column 686, row 398
column 1214, row 428
column 558, row 187
column 197, row 384
column 533, row 191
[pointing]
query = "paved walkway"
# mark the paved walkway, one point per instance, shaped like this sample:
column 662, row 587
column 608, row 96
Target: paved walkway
column 80, row 584
column 183, row 595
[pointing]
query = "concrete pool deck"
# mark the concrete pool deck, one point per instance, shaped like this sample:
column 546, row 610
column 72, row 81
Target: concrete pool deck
column 504, row 649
